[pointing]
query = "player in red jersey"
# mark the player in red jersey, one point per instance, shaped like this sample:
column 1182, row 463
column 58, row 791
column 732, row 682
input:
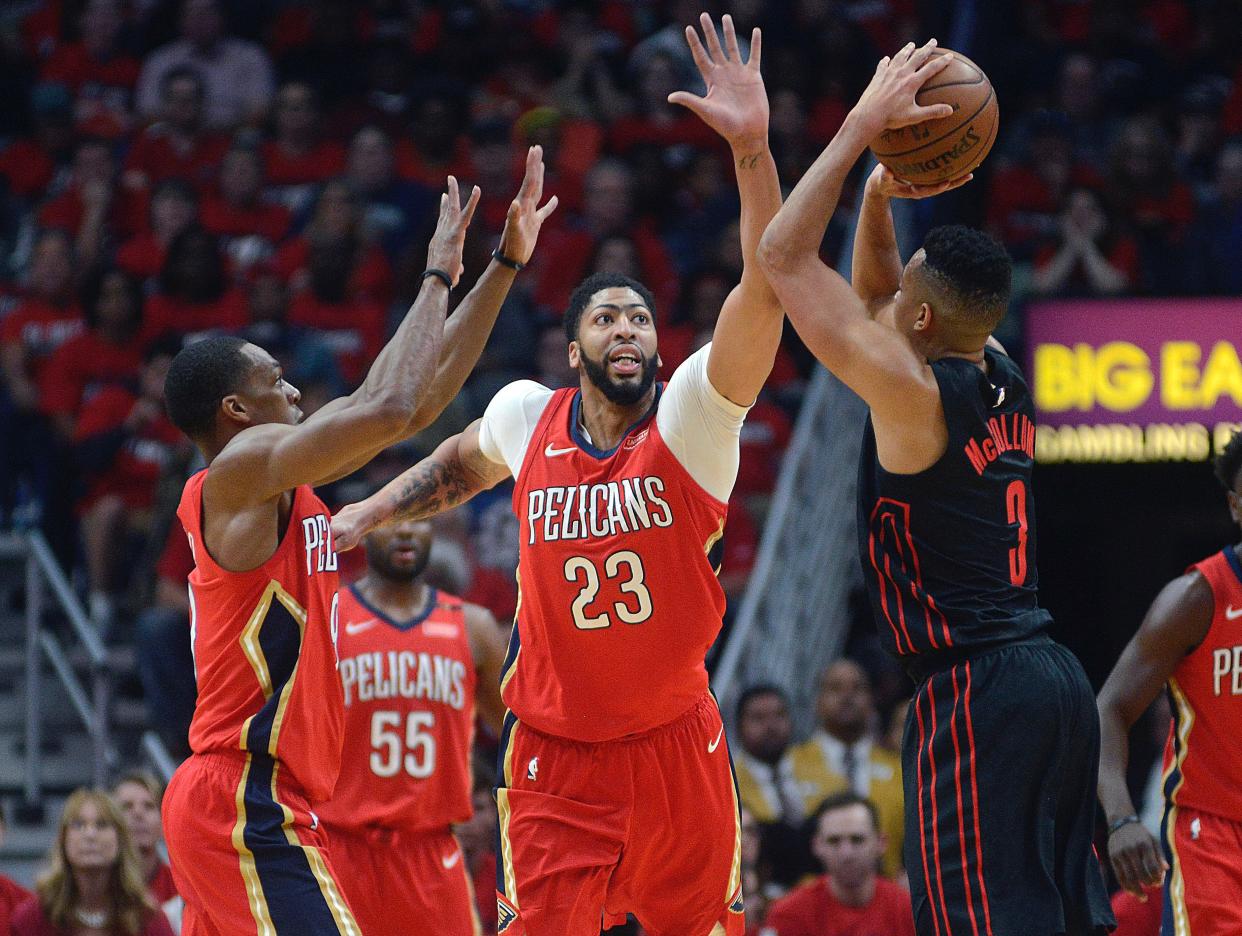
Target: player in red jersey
column 616, row 792
column 1190, row 642
column 415, row 662
column 246, row 849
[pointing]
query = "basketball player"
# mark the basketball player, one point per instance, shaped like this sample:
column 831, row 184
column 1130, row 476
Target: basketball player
column 245, row 847
column 414, row 661
column 1191, row 643
column 616, row 792
column 1000, row 748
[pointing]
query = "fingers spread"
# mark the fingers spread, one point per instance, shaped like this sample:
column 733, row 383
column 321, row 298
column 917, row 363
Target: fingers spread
column 453, row 195
column 685, row 99
column 475, row 194
column 712, row 40
column 701, row 59
column 547, row 209
column 730, row 34
column 934, row 65
column 756, row 47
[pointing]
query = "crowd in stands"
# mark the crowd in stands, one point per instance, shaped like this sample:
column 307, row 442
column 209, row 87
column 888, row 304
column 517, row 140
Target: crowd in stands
column 170, row 168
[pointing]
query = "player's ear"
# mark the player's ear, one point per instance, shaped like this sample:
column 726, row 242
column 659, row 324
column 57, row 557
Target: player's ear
column 925, row 316
column 573, row 355
column 1235, row 507
column 235, row 409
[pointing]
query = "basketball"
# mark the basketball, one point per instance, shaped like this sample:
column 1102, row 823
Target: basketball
column 950, row 147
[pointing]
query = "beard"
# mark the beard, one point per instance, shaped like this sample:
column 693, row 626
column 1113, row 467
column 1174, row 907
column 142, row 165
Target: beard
column 614, row 391
column 387, row 569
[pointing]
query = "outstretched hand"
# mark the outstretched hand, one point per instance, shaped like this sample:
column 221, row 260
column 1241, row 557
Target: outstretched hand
column 736, row 103
column 525, row 218
column 449, row 239
column 883, row 182
column 889, row 100
column 349, row 526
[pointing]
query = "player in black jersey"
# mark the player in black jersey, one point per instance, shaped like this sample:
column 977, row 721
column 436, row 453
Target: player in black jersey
column 1000, row 747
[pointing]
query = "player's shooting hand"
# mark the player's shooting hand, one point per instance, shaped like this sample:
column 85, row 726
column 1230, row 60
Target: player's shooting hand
column 889, row 100
column 350, row 525
column 525, row 218
column 882, row 182
column 1136, row 858
column 736, row 103
column 449, row 239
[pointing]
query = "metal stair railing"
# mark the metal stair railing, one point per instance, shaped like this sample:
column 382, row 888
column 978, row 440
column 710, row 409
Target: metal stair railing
column 91, row 703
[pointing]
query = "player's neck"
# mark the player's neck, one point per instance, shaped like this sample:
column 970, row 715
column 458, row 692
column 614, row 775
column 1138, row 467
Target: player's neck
column 606, row 422
column 398, row 600
column 858, row 896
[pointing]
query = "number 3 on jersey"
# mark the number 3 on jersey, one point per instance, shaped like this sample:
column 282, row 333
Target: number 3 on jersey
column 1015, row 512
column 626, row 567
column 416, row 752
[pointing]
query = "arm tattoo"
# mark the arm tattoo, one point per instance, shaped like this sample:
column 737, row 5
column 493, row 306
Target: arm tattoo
column 748, row 161
column 433, row 488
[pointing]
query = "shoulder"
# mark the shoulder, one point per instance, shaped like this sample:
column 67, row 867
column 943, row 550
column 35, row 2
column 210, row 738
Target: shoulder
column 518, row 404
column 1189, row 596
column 520, row 393
column 798, row 903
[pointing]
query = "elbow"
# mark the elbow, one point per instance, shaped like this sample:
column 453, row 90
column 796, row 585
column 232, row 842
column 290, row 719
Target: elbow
column 777, row 259
column 390, row 418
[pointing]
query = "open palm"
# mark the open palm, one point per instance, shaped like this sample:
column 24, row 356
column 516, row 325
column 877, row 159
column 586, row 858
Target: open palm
column 736, row 103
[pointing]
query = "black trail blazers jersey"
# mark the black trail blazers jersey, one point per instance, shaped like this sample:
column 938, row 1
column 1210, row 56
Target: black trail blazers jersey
column 949, row 553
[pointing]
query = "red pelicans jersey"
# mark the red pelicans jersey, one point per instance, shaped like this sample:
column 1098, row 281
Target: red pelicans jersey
column 409, row 717
column 1203, row 758
column 264, row 645
column 618, row 597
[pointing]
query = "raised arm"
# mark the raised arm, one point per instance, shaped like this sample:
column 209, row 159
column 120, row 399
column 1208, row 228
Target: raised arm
column 468, row 328
column 875, row 361
column 876, row 266
column 265, row 460
column 451, row 475
column 748, row 331
column 1176, row 623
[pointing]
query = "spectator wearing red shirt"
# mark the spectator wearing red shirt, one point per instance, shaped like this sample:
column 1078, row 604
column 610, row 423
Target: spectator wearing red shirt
column 297, row 158
column 45, row 319
column 162, row 646
column 173, row 207
column 1090, row 257
column 194, row 294
column 12, row 894
column 850, row 899
column 139, row 795
column 105, row 354
column 124, row 442
column 98, row 72
column 177, row 146
column 90, row 207
column 656, row 121
column 607, row 208
column 249, row 228
column 435, row 147
column 28, row 165
column 93, row 875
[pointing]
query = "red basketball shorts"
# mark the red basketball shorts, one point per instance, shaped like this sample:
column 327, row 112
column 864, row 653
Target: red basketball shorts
column 646, row 825
column 1203, row 890
column 247, row 854
column 394, row 879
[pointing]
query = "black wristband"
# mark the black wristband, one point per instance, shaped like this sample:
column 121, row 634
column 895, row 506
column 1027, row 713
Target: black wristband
column 507, row 261
column 1123, row 821
column 440, row 275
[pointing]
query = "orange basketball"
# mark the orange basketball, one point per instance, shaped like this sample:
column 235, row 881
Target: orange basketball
column 950, row 147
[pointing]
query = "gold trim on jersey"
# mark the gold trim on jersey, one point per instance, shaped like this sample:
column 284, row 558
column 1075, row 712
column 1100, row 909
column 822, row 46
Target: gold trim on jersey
column 253, row 652
column 255, row 898
column 337, row 906
column 1177, row 883
column 506, row 847
column 713, row 540
column 506, row 674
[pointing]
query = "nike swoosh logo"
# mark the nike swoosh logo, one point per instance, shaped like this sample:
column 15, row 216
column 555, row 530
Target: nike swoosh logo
column 1232, row 613
column 553, row 452
column 450, row 861
column 352, row 628
column 711, row 748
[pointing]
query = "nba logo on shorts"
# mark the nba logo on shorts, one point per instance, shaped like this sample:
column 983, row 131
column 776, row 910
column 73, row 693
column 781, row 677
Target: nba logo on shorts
column 737, row 905
column 505, row 915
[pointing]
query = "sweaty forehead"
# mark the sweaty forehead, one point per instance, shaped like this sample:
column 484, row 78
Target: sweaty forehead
column 621, row 296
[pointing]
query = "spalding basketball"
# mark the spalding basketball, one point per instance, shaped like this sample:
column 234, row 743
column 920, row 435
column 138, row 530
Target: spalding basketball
column 947, row 148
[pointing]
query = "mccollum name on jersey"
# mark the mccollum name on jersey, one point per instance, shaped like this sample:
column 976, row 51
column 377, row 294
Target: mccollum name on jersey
column 404, row 674
column 596, row 511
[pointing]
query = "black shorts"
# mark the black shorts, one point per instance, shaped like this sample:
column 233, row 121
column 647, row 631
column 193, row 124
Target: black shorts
column 999, row 768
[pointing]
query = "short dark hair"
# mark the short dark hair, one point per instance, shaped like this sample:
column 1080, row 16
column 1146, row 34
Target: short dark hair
column 973, row 270
column 1229, row 462
column 92, row 292
column 754, row 692
column 843, row 800
column 202, row 374
column 593, row 284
